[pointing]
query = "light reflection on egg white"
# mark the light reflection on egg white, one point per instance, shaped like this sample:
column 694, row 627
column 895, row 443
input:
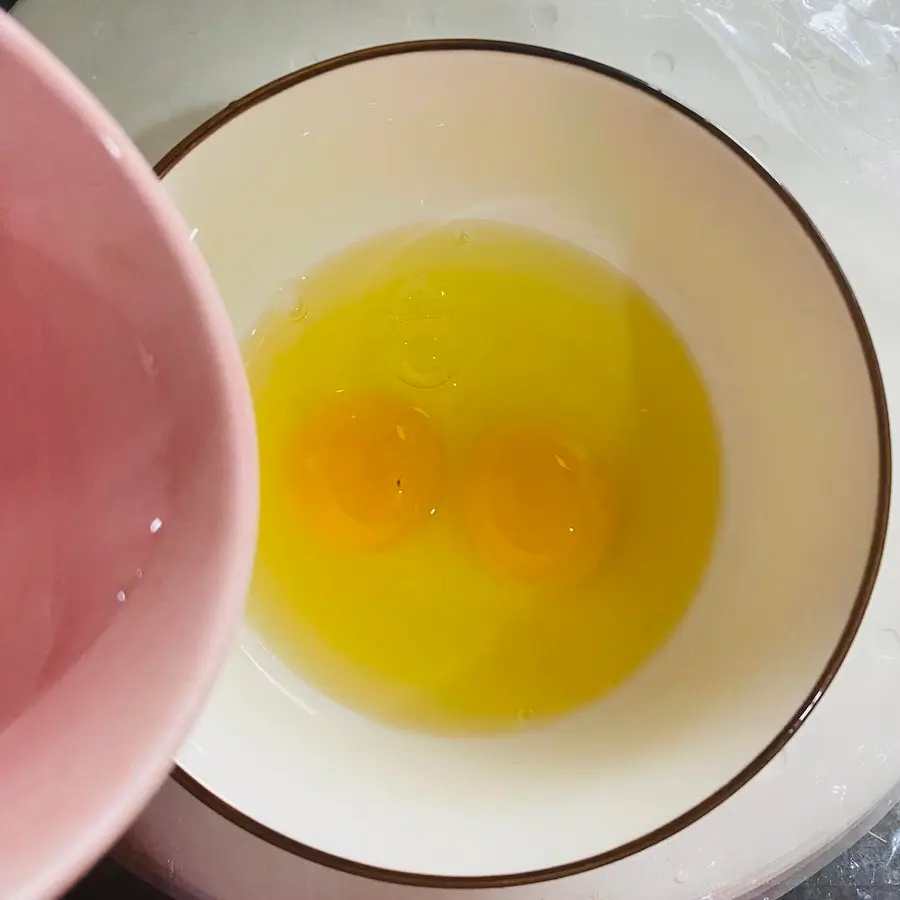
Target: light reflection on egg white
column 275, row 683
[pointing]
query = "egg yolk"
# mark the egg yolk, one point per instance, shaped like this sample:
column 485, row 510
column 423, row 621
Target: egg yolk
column 368, row 471
column 536, row 508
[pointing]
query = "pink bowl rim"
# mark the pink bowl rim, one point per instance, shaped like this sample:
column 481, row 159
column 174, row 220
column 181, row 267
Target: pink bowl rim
column 125, row 800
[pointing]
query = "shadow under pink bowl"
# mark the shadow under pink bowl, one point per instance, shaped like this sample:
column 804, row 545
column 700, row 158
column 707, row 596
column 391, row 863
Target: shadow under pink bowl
column 128, row 477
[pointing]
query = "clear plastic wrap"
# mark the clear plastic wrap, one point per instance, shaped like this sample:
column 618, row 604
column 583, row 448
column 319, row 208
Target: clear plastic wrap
column 827, row 71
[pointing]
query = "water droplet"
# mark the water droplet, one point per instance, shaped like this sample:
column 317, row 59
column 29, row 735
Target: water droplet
column 423, row 352
column 139, row 574
column 681, row 876
column 526, row 713
column 839, row 790
column 112, row 147
column 544, row 17
column 121, row 596
column 757, row 145
column 298, row 312
column 661, row 63
column 155, row 525
column 148, row 361
column 464, row 237
column 193, row 235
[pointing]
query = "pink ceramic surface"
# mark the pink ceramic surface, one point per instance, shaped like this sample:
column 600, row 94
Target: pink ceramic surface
column 127, row 477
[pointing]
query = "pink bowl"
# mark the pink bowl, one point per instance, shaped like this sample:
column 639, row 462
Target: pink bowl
column 128, row 482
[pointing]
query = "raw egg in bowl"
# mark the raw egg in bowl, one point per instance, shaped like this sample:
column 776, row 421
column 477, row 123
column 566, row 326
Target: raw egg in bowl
column 573, row 460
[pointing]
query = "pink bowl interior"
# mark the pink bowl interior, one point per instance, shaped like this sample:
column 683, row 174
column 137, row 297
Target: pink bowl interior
column 127, row 477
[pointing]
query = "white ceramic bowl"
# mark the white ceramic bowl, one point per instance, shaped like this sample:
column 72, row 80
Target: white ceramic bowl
column 436, row 131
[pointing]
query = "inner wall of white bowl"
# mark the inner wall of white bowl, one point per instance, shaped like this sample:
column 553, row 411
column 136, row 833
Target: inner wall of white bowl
column 442, row 135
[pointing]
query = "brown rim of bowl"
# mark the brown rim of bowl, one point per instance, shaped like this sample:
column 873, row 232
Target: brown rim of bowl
column 879, row 532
